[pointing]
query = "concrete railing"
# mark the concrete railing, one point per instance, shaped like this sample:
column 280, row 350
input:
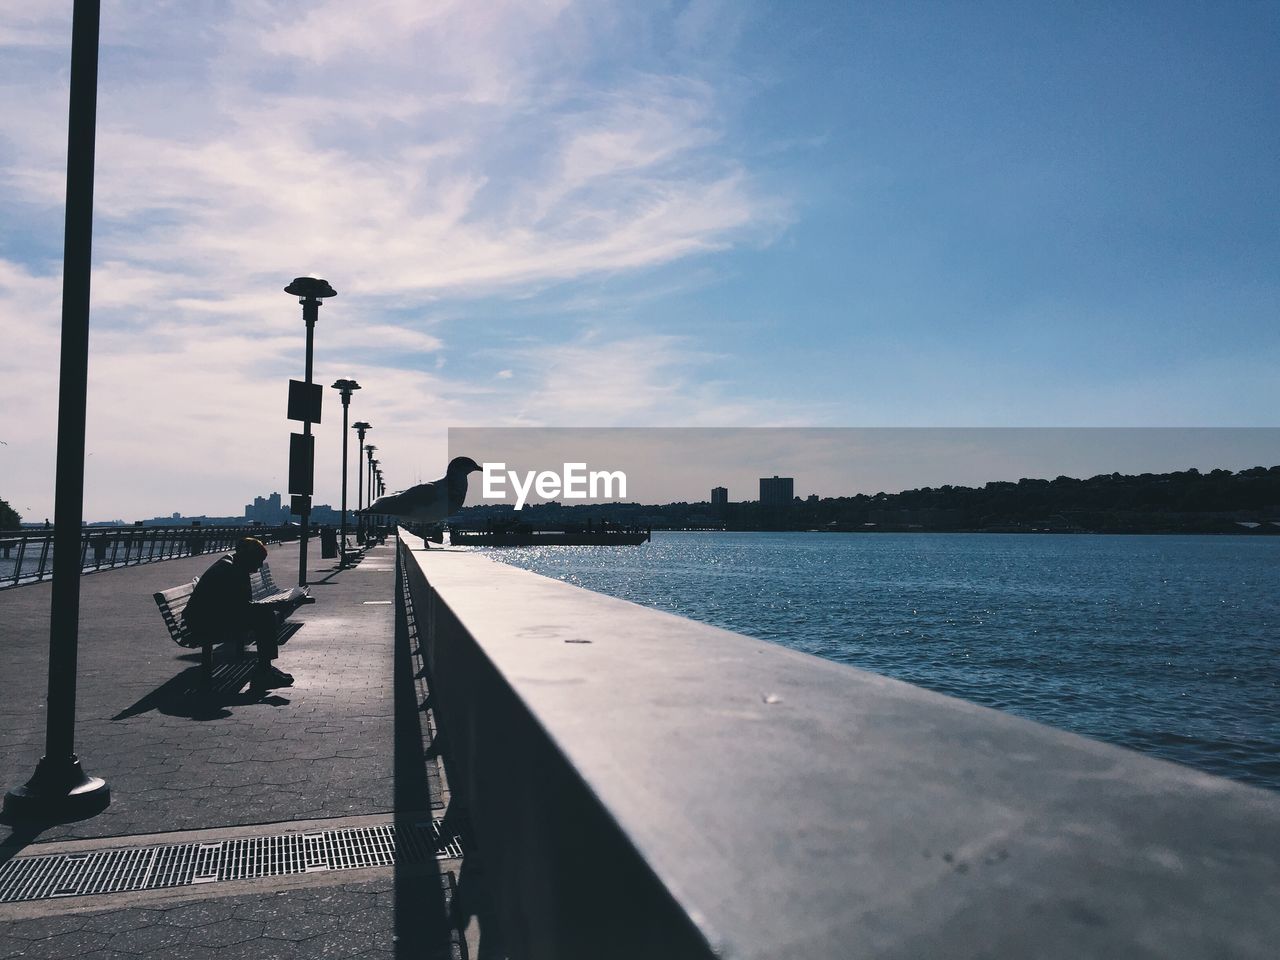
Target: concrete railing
column 642, row 785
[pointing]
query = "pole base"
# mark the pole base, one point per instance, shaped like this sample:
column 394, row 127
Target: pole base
column 58, row 790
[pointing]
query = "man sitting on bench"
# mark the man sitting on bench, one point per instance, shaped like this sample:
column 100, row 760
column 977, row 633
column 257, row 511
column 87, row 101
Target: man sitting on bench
column 221, row 608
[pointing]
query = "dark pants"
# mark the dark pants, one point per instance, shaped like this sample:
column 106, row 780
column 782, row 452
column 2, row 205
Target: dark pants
column 262, row 624
column 262, row 628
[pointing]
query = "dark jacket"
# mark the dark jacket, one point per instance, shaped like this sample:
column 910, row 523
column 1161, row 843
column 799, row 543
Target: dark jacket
column 219, row 605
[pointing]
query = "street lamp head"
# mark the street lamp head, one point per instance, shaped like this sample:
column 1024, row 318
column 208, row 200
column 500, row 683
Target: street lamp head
column 345, row 387
column 362, row 426
column 310, row 288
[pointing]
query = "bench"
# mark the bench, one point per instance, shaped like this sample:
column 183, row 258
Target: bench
column 173, row 601
column 349, row 551
column 265, row 591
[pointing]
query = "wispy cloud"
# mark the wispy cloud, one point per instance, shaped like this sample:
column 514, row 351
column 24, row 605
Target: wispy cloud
column 408, row 152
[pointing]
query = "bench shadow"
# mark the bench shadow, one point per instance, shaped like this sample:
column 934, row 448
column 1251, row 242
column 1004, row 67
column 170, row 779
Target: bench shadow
column 189, row 696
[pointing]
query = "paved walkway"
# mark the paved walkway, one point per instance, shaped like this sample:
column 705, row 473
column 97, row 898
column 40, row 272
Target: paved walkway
column 348, row 745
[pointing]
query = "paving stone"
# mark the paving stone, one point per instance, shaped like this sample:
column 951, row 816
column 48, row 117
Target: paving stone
column 198, row 914
column 224, row 933
column 118, row 921
column 76, row 943
column 42, row 928
column 147, row 939
column 341, row 943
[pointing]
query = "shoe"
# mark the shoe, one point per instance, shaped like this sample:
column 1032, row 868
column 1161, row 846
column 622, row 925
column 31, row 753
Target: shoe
column 264, row 678
column 283, row 678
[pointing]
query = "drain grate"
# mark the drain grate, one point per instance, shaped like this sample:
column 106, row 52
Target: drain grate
column 243, row 858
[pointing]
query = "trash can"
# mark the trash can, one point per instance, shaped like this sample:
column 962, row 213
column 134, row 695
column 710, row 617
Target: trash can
column 328, row 543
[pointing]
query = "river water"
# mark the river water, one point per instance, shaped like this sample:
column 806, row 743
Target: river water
column 1168, row 645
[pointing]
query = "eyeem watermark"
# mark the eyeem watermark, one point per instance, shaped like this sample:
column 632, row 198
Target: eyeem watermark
column 576, row 482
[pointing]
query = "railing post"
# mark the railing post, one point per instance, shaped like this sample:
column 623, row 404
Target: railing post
column 17, row 569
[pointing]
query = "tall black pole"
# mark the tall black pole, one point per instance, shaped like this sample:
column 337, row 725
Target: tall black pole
column 345, row 388
column 360, row 427
column 373, row 521
column 310, row 314
column 342, row 544
column 310, row 291
column 60, row 788
column 368, row 474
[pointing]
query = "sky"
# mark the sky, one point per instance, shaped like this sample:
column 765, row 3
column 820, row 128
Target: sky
column 605, row 214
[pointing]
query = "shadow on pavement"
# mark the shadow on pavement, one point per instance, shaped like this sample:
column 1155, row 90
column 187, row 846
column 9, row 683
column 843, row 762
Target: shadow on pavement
column 186, row 695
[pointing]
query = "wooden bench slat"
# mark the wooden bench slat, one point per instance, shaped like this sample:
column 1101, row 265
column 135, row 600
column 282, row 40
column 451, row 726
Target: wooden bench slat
column 171, row 603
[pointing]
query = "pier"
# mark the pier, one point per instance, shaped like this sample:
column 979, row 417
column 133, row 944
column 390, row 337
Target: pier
column 566, row 775
column 326, row 769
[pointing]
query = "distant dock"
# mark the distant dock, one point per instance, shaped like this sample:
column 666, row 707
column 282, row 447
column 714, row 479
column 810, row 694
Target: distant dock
column 524, row 535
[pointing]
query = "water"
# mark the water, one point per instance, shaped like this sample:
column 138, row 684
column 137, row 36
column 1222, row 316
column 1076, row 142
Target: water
column 1164, row 644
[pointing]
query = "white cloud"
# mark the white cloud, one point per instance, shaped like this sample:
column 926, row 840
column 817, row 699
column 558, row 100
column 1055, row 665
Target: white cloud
column 407, row 152
column 599, row 380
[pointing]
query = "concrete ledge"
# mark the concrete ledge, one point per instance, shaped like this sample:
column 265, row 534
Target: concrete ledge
column 642, row 785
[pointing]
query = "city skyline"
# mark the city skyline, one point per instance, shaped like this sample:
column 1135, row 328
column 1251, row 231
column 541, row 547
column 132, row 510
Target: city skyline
column 769, row 492
column 595, row 214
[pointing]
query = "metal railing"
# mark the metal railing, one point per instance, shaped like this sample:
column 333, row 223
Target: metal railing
column 26, row 556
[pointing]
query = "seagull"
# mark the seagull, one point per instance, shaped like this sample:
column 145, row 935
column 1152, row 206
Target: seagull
column 429, row 502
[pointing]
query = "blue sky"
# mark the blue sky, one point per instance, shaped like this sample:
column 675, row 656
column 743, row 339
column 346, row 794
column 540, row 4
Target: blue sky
column 619, row 214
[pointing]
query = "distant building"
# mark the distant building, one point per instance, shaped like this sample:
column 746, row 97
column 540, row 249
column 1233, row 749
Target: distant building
column 267, row 510
column 327, row 513
column 777, row 490
column 719, row 496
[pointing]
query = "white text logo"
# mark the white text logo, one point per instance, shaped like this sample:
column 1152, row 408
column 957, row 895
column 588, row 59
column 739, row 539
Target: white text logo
column 575, row 483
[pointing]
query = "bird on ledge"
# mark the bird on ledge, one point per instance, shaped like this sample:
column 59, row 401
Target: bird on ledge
column 429, row 502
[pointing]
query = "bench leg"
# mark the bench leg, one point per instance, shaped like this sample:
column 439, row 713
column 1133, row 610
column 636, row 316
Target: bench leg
column 206, row 663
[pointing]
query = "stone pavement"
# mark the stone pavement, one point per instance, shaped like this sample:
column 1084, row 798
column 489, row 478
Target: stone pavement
column 350, row 739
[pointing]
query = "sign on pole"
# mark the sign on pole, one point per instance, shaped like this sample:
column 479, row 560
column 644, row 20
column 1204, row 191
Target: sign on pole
column 304, row 401
column 301, row 450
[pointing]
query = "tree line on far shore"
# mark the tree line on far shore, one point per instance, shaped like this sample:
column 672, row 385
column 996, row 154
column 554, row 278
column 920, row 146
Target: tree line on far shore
column 1185, row 501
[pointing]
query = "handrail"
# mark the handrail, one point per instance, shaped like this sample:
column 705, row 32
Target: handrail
column 26, row 556
column 642, row 785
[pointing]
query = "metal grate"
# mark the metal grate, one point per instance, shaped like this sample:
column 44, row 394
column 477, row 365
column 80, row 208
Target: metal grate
column 244, row 858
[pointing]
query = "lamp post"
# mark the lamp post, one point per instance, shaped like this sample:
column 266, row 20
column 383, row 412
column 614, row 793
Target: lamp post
column 368, row 485
column 59, row 788
column 345, row 388
column 310, row 291
column 359, row 427
column 376, row 480
column 378, row 485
